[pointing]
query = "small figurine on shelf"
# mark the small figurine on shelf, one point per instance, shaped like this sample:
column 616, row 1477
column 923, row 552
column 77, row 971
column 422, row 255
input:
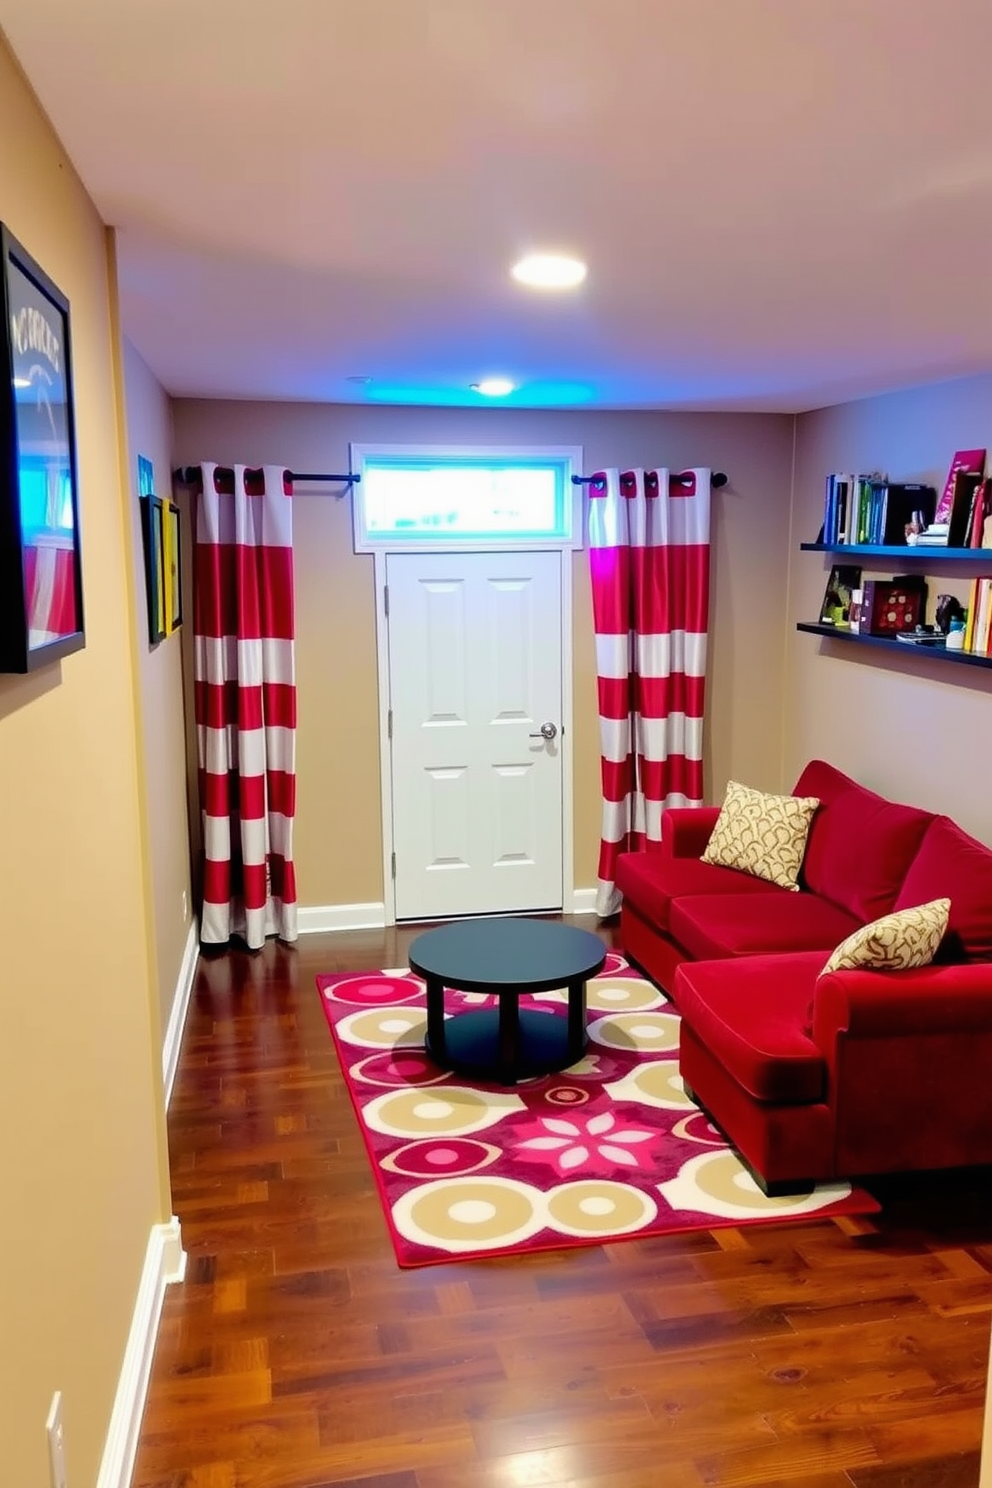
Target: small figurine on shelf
column 916, row 524
column 948, row 610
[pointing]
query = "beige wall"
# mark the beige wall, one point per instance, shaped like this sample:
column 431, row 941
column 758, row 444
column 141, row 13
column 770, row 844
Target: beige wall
column 911, row 727
column 338, row 835
column 149, row 433
column 81, row 1130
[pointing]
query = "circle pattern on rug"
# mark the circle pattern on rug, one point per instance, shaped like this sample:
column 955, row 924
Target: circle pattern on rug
column 451, row 1110
column 385, row 1028
column 450, row 1157
column 717, row 1183
column 697, row 1127
column 425, row 1128
column 470, row 1213
column 566, row 1095
column 622, row 995
column 399, row 1067
column 657, row 1083
column 594, row 1065
column 372, row 990
column 644, row 1031
column 596, row 1206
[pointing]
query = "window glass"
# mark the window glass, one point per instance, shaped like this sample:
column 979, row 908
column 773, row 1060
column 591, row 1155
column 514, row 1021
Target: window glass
column 464, row 498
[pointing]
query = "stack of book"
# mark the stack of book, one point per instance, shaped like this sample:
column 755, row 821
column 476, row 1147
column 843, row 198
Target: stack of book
column 869, row 510
column 852, row 508
column 978, row 629
column 963, row 518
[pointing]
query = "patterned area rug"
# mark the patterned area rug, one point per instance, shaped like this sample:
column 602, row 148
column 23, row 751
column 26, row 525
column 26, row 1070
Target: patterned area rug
column 608, row 1149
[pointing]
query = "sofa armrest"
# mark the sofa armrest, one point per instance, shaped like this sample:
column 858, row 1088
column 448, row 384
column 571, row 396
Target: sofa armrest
column 685, row 830
column 908, row 1055
column 900, row 1004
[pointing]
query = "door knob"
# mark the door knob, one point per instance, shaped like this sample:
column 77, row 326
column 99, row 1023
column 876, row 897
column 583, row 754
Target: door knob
column 546, row 731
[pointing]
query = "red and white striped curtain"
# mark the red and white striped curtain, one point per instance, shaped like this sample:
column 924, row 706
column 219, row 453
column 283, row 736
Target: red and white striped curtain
column 245, row 673
column 649, row 554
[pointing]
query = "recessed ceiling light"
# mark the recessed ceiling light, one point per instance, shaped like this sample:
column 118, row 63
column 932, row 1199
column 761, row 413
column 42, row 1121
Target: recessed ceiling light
column 549, row 271
column 493, row 387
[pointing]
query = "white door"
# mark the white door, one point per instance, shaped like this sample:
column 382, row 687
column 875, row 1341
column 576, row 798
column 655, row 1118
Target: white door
column 475, row 659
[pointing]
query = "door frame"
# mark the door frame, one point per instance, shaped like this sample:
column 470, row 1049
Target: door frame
column 385, row 749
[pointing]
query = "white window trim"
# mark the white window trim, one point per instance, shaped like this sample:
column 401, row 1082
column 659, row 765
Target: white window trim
column 570, row 454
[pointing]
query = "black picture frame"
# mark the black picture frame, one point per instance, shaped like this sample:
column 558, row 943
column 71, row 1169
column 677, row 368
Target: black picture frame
column 41, row 581
column 836, row 607
column 153, row 542
column 173, row 574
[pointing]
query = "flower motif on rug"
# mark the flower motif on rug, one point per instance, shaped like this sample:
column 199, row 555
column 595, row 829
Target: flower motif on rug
column 591, row 1144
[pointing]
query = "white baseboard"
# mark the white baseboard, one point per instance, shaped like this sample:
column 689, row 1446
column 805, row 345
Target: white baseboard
column 180, row 1005
column 311, row 918
column 165, row 1261
column 314, row 918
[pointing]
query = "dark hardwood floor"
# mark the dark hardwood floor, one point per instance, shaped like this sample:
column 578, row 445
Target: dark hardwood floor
column 832, row 1354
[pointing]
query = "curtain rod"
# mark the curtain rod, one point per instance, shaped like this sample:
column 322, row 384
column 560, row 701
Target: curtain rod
column 684, row 478
column 188, row 475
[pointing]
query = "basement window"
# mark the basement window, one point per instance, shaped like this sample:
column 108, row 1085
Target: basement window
column 418, row 498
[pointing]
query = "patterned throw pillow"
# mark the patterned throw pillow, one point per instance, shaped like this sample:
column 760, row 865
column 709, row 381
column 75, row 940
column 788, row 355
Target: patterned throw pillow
column 896, row 942
column 762, row 835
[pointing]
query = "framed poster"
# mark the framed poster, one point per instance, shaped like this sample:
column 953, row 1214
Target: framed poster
column 153, row 539
column 171, row 565
column 41, row 592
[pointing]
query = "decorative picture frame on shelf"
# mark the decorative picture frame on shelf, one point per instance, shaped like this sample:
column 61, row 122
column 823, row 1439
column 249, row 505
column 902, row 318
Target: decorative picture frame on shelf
column 836, row 607
column 41, row 585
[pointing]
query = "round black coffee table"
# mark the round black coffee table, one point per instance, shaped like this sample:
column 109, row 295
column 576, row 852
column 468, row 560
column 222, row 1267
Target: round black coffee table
column 503, row 958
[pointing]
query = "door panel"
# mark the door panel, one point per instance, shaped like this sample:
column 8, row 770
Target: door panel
column 475, row 669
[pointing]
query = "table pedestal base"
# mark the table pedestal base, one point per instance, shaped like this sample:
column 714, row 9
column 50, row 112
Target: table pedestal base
column 471, row 1046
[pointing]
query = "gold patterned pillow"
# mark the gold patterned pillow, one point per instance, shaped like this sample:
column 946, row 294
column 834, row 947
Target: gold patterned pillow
column 761, row 834
column 896, row 942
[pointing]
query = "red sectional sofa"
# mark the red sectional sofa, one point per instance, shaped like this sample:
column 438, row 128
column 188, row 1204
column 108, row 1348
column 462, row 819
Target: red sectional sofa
column 853, row 1073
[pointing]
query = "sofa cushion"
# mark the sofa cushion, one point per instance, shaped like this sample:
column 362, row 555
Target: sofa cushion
column 951, row 863
column 709, row 926
column 761, row 834
column 650, row 881
column 749, row 1014
column 860, row 845
column 900, row 941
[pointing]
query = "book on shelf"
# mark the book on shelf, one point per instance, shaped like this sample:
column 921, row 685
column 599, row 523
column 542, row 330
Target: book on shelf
column 955, row 530
column 969, row 624
column 969, row 461
column 979, row 533
column 978, row 628
column 908, row 504
column 935, row 536
column 871, row 511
